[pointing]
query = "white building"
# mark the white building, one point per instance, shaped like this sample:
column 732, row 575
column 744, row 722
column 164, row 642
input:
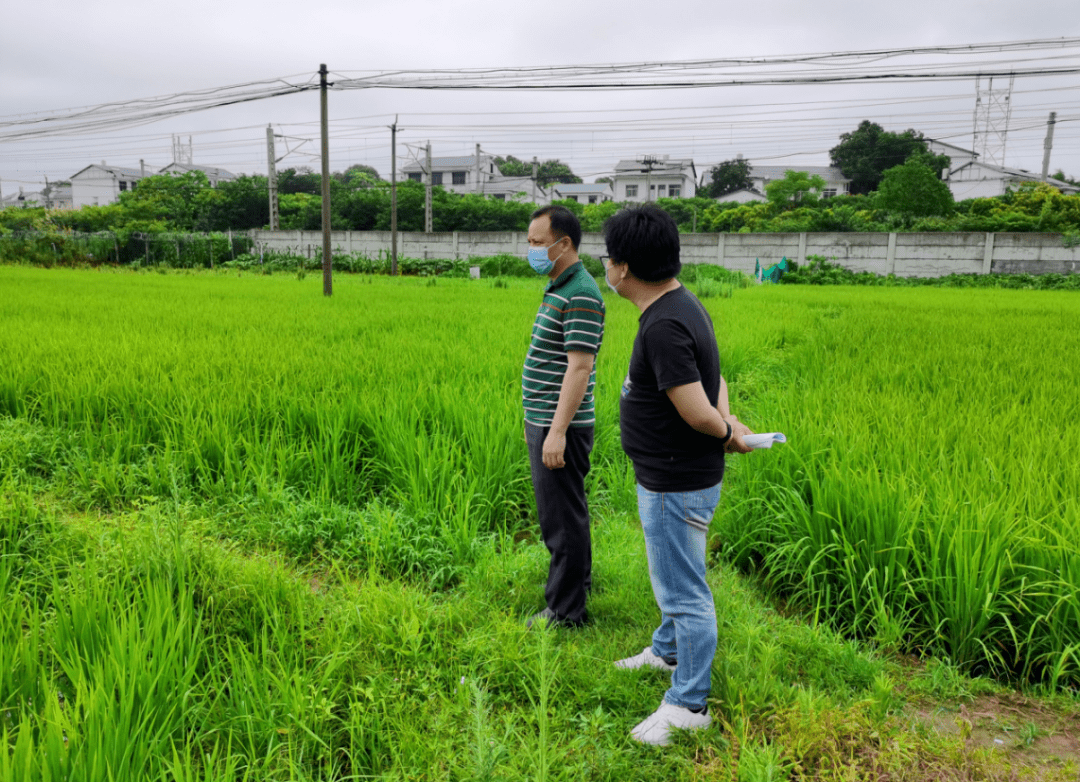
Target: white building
column 969, row 178
column 958, row 156
column 744, row 196
column 460, row 174
column 835, row 182
column 507, row 188
column 97, row 185
column 463, row 174
column 595, row 193
column 55, row 195
column 650, row 177
column 215, row 175
column 984, row 180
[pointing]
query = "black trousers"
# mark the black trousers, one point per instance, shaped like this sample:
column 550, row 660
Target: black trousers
column 564, row 520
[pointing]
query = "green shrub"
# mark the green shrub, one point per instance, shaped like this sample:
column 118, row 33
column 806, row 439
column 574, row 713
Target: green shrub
column 821, row 271
column 503, row 265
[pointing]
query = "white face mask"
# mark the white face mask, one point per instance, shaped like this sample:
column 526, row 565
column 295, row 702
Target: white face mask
column 614, row 288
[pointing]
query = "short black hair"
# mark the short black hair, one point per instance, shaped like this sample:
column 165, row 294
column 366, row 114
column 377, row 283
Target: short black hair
column 563, row 222
column 647, row 239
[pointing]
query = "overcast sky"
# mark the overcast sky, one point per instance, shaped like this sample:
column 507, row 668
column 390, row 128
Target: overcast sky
column 67, row 54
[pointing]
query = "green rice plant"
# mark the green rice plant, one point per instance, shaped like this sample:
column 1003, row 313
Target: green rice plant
column 927, row 530
column 126, row 679
column 21, row 669
column 306, row 668
column 707, row 272
column 923, row 500
column 192, row 765
column 707, row 288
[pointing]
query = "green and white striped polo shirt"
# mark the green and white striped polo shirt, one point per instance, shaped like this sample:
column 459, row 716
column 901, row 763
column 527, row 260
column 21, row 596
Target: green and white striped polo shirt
column 571, row 317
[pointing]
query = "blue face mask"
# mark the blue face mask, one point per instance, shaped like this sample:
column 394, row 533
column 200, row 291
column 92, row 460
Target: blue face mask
column 538, row 258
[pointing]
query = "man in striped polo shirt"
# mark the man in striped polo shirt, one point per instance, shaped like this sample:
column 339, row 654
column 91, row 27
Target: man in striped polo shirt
column 557, row 388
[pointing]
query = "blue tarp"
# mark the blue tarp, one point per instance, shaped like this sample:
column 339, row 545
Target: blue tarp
column 772, row 273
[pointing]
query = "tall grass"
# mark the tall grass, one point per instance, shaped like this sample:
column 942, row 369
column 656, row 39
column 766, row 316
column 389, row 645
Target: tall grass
column 382, row 394
column 135, row 647
column 925, row 499
column 250, row 533
column 928, row 498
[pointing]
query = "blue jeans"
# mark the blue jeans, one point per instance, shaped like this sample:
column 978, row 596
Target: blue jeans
column 675, row 525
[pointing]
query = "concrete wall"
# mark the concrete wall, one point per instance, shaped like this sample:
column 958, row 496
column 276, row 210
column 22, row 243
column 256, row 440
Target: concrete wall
column 903, row 254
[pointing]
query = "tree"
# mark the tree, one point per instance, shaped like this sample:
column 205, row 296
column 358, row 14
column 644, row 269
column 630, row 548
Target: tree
column 913, row 189
column 299, row 180
column 547, row 172
column 242, row 203
column 552, row 171
column 727, row 177
column 686, row 212
column 603, row 180
column 360, row 168
column 1059, row 175
column 865, row 154
column 511, row 166
column 594, row 215
column 796, row 186
column 184, row 200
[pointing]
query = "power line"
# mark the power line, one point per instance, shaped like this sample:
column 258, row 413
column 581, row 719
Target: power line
column 826, row 68
column 141, row 111
column 749, row 126
column 821, row 68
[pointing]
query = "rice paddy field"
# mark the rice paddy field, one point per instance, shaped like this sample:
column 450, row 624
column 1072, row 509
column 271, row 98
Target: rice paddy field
column 248, row 532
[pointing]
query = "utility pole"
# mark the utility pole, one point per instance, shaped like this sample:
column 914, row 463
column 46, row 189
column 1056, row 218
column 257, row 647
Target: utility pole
column 1048, row 144
column 271, row 177
column 393, row 198
column 327, row 275
column 427, row 191
column 536, row 170
column 648, row 160
column 478, row 189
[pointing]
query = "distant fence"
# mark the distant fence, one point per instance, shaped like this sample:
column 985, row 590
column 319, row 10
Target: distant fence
column 192, row 250
column 902, row 254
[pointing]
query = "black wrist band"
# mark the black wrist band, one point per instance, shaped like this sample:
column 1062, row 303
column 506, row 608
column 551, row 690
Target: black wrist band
column 728, row 437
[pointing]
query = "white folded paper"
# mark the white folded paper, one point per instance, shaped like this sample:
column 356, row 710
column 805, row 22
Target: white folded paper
column 764, row 440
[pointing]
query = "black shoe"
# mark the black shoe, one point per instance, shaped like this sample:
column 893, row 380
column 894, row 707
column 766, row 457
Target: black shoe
column 547, row 616
column 553, row 620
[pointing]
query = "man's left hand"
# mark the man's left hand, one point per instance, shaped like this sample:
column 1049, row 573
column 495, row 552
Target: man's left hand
column 554, row 448
column 738, row 430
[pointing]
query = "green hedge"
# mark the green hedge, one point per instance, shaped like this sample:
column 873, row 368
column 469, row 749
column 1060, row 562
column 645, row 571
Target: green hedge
column 176, row 250
column 821, row 271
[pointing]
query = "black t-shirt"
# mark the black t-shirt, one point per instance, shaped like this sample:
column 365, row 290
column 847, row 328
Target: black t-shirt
column 675, row 345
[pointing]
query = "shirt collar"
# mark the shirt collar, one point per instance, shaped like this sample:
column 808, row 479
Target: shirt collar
column 567, row 273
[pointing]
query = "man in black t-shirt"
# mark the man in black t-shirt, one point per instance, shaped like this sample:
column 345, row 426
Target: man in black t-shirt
column 676, row 428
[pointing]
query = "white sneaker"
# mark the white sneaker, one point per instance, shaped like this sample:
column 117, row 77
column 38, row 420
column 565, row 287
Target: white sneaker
column 645, row 660
column 656, row 728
